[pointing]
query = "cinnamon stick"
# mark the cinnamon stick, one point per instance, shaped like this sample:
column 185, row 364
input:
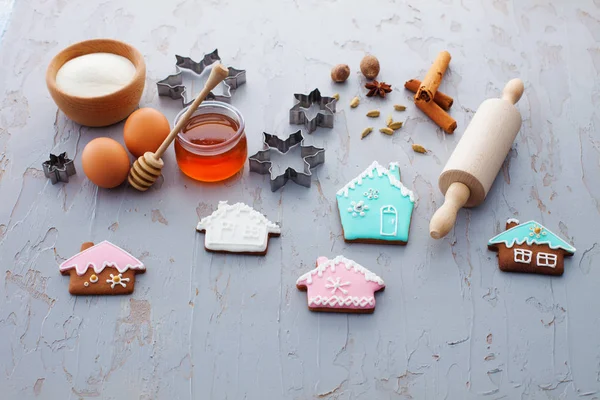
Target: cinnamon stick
column 437, row 115
column 434, row 76
column 442, row 99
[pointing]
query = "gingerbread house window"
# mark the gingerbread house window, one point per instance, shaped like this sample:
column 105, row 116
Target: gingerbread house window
column 523, row 256
column 546, row 260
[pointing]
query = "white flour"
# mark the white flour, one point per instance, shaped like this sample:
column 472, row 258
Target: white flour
column 95, row 74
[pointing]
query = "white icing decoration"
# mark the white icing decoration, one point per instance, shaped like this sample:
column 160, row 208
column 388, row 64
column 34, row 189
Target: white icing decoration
column 371, row 194
column 546, row 260
column 117, row 280
column 86, row 284
column 368, row 275
column 358, row 208
column 537, row 235
column 93, row 278
column 237, row 228
column 341, row 301
column 512, row 221
column 522, row 256
column 389, row 210
column 381, row 171
column 336, row 285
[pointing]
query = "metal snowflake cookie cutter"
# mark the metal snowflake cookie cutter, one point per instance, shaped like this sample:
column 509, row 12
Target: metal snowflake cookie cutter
column 311, row 155
column 324, row 117
column 59, row 168
column 173, row 87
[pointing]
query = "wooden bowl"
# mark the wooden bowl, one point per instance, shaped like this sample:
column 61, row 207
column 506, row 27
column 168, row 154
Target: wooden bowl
column 102, row 110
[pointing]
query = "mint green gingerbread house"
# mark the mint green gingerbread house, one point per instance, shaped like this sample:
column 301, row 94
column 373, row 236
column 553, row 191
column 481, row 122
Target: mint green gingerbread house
column 376, row 207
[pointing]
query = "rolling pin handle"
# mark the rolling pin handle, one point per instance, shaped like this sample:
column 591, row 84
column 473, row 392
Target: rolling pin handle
column 444, row 218
column 513, row 90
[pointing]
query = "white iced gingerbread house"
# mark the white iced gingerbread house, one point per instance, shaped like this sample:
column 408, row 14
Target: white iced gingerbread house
column 237, row 228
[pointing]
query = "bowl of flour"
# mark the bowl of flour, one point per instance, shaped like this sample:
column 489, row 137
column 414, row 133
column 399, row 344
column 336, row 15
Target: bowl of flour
column 97, row 82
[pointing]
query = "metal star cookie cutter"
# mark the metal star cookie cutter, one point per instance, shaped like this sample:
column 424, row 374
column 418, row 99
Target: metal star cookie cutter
column 311, row 155
column 59, row 168
column 324, row 117
column 173, row 86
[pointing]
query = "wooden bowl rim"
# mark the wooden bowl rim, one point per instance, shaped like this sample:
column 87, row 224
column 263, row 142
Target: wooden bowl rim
column 140, row 69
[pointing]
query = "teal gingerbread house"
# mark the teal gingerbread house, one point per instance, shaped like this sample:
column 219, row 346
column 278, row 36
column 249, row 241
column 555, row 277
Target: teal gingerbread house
column 375, row 207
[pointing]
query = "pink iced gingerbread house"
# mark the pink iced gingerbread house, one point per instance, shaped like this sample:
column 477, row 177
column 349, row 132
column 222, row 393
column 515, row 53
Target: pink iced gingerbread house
column 101, row 269
column 340, row 285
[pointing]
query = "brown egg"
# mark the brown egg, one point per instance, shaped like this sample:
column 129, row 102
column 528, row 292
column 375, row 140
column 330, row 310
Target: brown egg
column 105, row 162
column 145, row 130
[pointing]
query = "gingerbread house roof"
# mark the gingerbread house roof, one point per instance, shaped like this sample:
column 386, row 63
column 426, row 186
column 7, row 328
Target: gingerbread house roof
column 332, row 264
column 237, row 210
column 531, row 232
column 375, row 169
column 100, row 256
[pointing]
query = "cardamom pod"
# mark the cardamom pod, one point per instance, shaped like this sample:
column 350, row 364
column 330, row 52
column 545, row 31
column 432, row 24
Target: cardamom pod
column 395, row 125
column 389, row 120
column 354, row 102
column 387, row 131
column 336, row 96
column 419, row 149
column 373, row 113
column 366, row 132
column 399, row 107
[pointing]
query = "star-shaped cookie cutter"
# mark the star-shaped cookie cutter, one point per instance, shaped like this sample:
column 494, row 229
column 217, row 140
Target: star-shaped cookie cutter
column 324, row 117
column 173, row 86
column 59, row 168
column 311, row 155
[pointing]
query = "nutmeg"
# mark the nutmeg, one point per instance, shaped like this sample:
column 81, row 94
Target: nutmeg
column 369, row 66
column 340, row 73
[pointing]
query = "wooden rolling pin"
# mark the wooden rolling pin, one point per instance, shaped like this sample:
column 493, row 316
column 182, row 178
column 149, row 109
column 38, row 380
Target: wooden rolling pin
column 478, row 157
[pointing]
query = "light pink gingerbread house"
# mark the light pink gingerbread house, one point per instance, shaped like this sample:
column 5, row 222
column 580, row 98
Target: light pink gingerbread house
column 101, row 269
column 340, row 285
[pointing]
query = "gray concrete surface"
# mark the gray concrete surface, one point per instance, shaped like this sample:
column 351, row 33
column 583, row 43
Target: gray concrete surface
column 449, row 325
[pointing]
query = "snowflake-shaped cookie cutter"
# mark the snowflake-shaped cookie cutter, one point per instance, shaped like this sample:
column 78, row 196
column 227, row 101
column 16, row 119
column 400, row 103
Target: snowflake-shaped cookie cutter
column 311, row 155
column 324, row 117
column 173, row 87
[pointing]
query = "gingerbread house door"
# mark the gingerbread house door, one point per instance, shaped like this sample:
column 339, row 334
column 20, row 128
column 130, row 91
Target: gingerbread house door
column 389, row 221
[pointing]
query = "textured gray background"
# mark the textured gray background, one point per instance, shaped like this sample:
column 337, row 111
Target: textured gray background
column 449, row 325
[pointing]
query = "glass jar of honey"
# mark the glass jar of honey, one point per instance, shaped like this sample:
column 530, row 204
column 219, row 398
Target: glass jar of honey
column 211, row 146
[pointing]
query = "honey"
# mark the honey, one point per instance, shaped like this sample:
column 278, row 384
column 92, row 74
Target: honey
column 212, row 145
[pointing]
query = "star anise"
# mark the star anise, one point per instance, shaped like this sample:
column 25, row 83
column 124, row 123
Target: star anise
column 378, row 88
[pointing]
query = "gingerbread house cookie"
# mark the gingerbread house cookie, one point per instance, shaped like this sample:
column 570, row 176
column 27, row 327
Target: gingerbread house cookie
column 375, row 207
column 531, row 248
column 102, row 269
column 237, row 228
column 340, row 285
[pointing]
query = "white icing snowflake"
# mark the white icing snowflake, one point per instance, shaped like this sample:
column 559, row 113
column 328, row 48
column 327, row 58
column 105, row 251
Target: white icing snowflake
column 537, row 231
column 117, row 280
column 336, row 285
column 358, row 208
column 372, row 194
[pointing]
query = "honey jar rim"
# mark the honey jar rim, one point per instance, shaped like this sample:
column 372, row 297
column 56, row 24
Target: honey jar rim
column 217, row 107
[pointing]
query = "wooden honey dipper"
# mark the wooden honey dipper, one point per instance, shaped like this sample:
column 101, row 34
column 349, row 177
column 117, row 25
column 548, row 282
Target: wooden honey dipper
column 146, row 169
column 478, row 157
